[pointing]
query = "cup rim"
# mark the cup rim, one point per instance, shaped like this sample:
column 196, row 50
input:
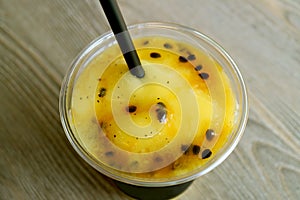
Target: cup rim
column 223, row 155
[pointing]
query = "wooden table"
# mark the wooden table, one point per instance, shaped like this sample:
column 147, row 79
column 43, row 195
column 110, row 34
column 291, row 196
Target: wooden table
column 39, row 39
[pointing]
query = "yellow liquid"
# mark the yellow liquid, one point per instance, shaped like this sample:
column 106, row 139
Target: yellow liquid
column 169, row 123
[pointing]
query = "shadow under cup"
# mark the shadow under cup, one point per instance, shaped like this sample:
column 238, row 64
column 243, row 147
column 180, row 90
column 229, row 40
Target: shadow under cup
column 138, row 186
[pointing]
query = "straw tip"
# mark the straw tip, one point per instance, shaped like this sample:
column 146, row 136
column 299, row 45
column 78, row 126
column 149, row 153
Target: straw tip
column 138, row 71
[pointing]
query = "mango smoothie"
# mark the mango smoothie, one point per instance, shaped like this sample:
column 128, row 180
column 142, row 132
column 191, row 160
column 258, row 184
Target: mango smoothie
column 175, row 124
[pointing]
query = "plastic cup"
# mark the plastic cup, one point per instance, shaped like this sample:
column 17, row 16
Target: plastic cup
column 209, row 125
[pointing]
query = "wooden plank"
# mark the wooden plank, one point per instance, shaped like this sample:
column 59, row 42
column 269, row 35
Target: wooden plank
column 39, row 39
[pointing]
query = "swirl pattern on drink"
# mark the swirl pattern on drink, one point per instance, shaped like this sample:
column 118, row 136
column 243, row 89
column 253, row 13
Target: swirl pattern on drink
column 171, row 121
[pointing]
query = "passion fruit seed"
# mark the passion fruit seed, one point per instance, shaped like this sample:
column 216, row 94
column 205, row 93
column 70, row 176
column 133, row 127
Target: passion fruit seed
column 210, row 134
column 109, row 153
column 206, row 153
column 184, row 147
column 198, row 67
column 161, row 112
column 182, row 59
column 155, row 55
column 191, row 57
column 196, row 149
column 131, row 108
column 204, row 75
column 168, row 46
column 102, row 92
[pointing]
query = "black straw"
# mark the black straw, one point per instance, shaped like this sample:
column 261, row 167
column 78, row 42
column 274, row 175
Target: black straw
column 119, row 28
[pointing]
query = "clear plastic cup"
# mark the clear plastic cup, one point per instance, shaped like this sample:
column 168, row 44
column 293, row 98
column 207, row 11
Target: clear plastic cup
column 221, row 110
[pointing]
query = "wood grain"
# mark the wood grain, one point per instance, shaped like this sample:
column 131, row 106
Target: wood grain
column 38, row 41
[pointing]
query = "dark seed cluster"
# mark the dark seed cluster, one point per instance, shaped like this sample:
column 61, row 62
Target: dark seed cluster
column 192, row 57
column 196, row 149
column 182, row 59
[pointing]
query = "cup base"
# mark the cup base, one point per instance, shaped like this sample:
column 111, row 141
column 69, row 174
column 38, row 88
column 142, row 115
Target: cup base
column 152, row 193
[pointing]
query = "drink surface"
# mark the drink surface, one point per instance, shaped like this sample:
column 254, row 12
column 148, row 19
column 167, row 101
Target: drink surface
column 167, row 124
